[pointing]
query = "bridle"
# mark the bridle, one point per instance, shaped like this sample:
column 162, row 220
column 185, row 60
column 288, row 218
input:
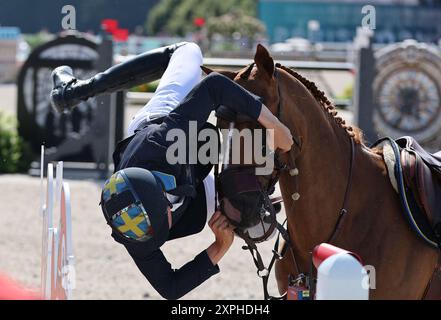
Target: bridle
column 290, row 167
column 270, row 181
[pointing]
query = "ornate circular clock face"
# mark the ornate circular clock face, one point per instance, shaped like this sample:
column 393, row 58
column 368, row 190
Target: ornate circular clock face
column 408, row 100
column 407, row 92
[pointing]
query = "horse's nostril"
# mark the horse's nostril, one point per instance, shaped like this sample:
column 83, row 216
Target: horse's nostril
column 277, row 207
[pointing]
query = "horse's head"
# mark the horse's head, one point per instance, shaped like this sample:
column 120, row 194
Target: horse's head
column 258, row 78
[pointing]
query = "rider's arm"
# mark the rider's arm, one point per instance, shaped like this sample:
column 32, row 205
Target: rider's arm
column 174, row 283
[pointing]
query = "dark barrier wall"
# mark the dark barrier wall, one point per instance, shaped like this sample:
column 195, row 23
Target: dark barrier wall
column 32, row 16
column 87, row 134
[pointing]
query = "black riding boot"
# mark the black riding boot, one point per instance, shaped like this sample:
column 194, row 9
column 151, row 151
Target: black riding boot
column 149, row 66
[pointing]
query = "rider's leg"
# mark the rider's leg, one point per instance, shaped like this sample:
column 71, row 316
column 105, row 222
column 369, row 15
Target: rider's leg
column 182, row 74
column 146, row 67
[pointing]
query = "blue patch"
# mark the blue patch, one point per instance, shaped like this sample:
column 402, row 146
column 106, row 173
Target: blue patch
column 167, row 180
column 106, row 194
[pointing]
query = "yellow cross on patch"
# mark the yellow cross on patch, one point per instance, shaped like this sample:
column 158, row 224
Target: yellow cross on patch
column 132, row 224
column 113, row 182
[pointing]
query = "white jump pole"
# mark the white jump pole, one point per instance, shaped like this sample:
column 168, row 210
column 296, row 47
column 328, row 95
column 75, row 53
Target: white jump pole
column 48, row 234
column 66, row 258
column 57, row 258
column 341, row 277
column 42, row 204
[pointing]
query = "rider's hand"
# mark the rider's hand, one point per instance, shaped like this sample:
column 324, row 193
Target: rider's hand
column 280, row 134
column 222, row 230
column 282, row 138
column 224, row 234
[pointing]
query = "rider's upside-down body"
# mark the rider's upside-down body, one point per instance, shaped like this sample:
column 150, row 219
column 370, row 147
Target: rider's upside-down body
column 147, row 149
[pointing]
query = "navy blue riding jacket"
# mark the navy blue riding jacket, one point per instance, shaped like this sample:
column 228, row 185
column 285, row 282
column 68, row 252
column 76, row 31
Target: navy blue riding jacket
column 147, row 149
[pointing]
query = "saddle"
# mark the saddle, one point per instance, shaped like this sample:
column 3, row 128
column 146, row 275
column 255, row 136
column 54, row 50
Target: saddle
column 417, row 179
column 422, row 173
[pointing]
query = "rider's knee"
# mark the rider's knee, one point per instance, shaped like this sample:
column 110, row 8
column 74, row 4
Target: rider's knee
column 194, row 47
column 191, row 48
column 214, row 79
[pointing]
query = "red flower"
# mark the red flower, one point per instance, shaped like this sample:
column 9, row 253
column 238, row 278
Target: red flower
column 199, row 21
column 120, row 34
column 109, row 25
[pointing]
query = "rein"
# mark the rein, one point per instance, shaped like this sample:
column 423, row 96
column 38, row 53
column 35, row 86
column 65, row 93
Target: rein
column 262, row 271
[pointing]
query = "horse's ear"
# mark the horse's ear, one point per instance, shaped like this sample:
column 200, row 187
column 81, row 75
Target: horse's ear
column 264, row 61
column 207, row 70
column 227, row 73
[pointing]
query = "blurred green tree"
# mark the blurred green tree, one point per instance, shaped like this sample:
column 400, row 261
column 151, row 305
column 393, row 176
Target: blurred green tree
column 15, row 153
column 234, row 26
column 175, row 17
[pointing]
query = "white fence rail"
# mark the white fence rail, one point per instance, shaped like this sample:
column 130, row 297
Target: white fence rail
column 57, row 258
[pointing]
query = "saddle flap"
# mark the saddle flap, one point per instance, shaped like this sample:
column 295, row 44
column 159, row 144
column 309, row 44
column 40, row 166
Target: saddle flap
column 429, row 191
column 408, row 163
column 423, row 183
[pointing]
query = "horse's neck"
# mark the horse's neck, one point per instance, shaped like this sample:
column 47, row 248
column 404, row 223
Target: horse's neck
column 324, row 165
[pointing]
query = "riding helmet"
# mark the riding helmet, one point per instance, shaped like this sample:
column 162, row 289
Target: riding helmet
column 135, row 207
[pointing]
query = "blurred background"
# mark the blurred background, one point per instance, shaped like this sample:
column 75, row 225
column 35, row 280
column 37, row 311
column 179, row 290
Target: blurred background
column 378, row 60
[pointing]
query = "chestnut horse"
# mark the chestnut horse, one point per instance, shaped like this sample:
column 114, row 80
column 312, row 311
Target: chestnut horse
column 374, row 226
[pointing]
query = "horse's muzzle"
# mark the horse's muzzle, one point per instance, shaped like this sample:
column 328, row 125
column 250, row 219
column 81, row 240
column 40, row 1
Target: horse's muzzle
column 241, row 196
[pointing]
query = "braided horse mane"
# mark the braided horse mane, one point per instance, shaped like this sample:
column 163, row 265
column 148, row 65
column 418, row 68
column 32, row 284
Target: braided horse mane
column 327, row 105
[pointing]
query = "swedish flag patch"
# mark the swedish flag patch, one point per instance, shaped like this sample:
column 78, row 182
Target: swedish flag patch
column 114, row 185
column 133, row 222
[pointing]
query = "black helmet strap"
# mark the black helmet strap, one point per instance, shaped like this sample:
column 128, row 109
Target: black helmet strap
column 119, row 202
